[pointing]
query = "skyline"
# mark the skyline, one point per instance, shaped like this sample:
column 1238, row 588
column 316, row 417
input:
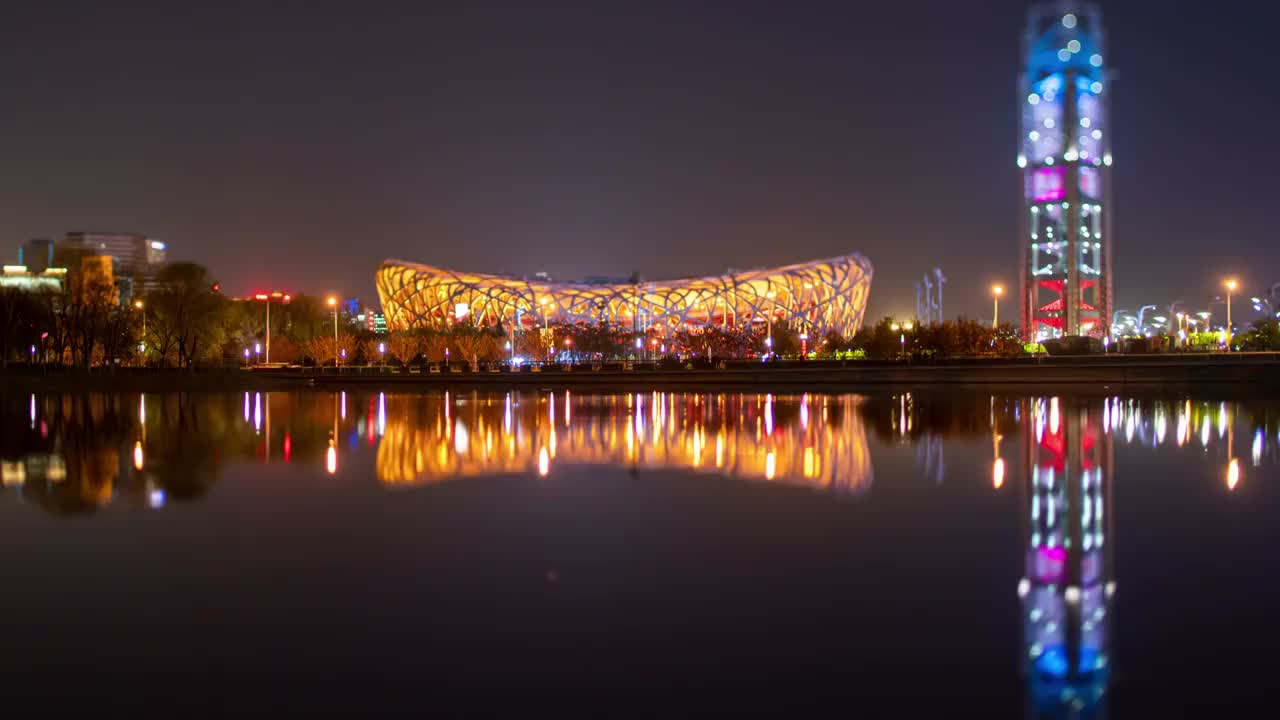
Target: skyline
column 580, row 140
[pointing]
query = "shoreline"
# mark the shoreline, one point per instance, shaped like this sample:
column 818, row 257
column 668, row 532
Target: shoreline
column 1246, row 371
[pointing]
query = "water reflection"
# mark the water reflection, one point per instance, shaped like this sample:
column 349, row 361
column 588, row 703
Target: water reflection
column 1068, row 583
column 75, row 454
column 818, row 442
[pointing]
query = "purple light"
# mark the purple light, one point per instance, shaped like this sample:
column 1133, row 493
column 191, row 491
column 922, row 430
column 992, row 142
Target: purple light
column 1048, row 184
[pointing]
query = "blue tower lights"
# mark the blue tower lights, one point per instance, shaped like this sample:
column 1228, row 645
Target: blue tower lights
column 1064, row 158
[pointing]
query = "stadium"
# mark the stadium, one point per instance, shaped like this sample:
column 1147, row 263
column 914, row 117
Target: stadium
column 816, row 297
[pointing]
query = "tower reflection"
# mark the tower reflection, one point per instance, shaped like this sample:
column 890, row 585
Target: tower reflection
column 1068, row 580
column 815, row 441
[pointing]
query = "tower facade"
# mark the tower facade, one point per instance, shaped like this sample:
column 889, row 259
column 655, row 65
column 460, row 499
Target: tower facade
column 1065, row 160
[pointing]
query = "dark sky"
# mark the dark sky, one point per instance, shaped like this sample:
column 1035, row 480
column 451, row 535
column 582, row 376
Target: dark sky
column 297, row 144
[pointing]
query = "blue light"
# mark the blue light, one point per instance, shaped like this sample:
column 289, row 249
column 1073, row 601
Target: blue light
column 1053, row 661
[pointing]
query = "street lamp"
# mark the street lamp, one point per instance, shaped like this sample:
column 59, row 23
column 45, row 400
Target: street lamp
column 511, row 351
column 773, row 307
column 382, row 353
column 996, row 292
column 1231, row 287
column 544, row 302
column 333, row 303
column 142, row 346
column 257, row 350
column 902, row 337
column 266, row 298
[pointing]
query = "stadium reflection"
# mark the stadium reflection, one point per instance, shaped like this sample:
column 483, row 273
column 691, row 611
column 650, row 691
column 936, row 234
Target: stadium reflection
column 813, row 441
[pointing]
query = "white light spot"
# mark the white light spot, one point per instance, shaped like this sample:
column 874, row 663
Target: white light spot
column 1033, row 135
column 1085, row 122
column 1033, row 99
column 1097, row 134
column 1022, row 161
column 1074, row 46
column 1096, row 87
column 1095, row 60
column 1048, row 122
column 1064, row 54
column 1068, row 21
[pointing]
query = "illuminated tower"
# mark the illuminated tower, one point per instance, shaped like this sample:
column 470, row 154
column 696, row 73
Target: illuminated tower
column 1065, row 157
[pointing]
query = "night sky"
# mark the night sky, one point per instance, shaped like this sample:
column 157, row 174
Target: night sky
column 295, row 145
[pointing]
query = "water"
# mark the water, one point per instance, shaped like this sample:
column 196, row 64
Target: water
column 1080, row 555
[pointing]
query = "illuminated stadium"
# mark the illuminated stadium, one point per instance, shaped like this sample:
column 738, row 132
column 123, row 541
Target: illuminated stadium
column 815, row 297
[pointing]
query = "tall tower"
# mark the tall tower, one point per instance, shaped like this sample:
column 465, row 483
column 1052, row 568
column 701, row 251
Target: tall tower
column 1065, row 158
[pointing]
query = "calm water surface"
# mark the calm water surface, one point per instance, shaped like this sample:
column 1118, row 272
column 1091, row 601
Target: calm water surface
column 1030, row 556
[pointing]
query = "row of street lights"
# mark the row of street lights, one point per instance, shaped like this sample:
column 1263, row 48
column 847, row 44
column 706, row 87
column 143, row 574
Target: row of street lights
column 1230, row 283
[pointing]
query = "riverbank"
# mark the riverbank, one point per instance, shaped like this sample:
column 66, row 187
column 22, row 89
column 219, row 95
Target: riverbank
column 1257, row 372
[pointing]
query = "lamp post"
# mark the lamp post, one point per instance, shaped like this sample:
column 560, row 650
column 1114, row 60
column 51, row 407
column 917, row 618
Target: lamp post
column 142, row 346
column 773, row 306
column 996, row 292
column 1231, row 286
column 902, row 336
column 382, row 354
column 567, row 344
column 257, row 350
column 511, row 353
column 333, row 303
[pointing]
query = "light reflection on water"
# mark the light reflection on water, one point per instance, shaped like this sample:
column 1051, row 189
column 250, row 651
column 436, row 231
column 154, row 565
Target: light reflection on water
column 98, row 442
column 751, row 437
column 75, row 454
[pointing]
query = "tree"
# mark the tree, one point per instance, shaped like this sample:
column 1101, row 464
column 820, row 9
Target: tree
column 434, row 345
column 476, row 344
column 22, row 317
column 304, row 318
column 324, row 350
column 1264, row 335
column 879, row 341
column 533, row 343
column 403, row 346
column 786, row 341
column 186, row 314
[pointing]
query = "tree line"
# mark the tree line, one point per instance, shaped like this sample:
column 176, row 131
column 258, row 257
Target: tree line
column 182, row 321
